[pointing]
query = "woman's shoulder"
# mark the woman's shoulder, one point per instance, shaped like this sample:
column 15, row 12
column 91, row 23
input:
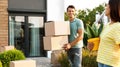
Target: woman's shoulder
column 116, row 26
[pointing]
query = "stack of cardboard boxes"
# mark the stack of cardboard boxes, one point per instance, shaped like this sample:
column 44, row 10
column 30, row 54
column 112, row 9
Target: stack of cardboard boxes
column 56, row 35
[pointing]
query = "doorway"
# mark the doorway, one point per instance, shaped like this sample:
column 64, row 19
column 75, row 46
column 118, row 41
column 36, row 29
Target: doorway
column 26, row 34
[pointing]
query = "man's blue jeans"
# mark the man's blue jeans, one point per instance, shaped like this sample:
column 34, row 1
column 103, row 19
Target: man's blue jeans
column 103, row 65
column 75, row 56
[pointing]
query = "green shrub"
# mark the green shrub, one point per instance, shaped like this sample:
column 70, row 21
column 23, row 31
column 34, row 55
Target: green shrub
column 11, row 55
column 89, row 58
column 0, row 64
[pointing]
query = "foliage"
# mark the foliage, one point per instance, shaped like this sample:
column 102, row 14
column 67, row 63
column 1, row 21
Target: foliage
column 89, row 58
column 88, row 16
column 0, row 64
column 100, row 8
column 11, row 55
column 85, row 39
column 63, row 60
column 83, row 15
column 66, row 17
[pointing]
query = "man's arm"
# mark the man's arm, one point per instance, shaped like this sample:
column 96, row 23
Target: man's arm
column 80, row 37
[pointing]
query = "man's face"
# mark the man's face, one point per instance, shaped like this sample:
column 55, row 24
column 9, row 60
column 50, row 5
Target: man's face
column 71, row 12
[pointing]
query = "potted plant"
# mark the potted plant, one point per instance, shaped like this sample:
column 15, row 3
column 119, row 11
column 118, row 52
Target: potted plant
column 92, row 34
column 11, row 55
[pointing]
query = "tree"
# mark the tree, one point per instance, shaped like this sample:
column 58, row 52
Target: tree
column 65, row 16
column 88, row 16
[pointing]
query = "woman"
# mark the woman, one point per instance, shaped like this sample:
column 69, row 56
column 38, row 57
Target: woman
column 109, row 49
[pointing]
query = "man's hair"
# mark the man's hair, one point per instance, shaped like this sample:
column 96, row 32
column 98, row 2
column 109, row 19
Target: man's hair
column 114, row 10
column 70, row 6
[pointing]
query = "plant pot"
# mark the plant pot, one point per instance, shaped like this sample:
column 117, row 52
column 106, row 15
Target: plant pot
column 95, row 43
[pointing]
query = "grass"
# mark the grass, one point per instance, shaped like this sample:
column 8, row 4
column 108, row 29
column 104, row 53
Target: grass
column 89, row 58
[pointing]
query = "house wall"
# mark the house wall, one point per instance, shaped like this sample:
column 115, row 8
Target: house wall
column 55, row 12
column 3, row 22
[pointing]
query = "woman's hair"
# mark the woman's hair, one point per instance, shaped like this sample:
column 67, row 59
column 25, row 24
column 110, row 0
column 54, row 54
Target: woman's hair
column 114, row 10
column 70, row 6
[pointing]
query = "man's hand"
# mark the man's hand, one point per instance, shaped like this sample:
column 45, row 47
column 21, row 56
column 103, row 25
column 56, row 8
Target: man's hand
column 67, row 46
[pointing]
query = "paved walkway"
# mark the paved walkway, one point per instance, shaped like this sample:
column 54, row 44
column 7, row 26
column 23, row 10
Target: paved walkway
column 41, row 61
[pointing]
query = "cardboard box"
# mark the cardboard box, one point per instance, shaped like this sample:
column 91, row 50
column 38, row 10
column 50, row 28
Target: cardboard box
column 23, row 63
column 54, row 42
column 57, row 28
column 6, row 48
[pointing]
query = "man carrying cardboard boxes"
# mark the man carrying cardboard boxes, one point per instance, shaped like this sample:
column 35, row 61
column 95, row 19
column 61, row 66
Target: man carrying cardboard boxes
column 74, row 47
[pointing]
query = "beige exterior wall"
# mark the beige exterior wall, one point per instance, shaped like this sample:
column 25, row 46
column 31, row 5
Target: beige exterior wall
column 3, row 22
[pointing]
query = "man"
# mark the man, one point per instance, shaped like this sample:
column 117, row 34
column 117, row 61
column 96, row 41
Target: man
column 74, row 47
